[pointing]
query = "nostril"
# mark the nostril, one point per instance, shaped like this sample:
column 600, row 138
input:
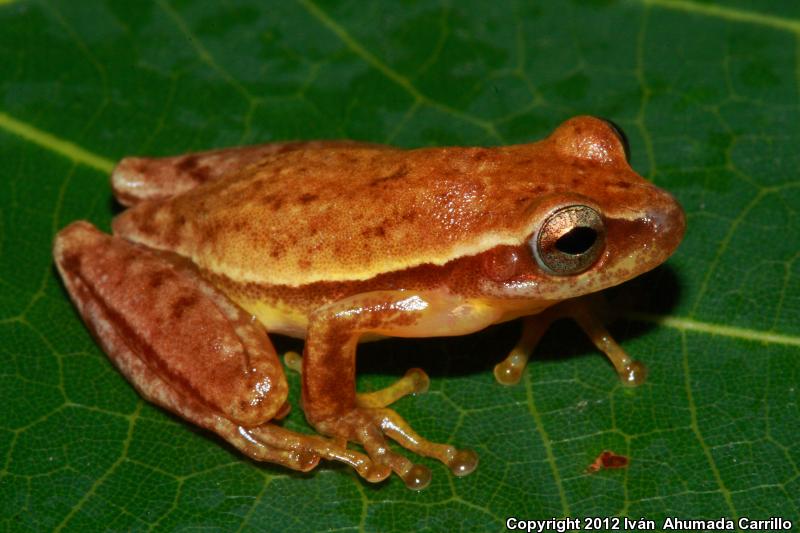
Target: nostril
column 577, row 241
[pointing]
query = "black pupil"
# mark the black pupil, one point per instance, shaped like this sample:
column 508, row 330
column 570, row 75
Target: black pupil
column 577, row 241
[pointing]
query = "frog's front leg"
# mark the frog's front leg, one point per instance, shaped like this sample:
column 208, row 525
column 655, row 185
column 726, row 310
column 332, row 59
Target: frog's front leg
column 186, row 347
column 586, row 311
column 329, row 396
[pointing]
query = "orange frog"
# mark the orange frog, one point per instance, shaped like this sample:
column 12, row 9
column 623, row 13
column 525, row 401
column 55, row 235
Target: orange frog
column 338, row 242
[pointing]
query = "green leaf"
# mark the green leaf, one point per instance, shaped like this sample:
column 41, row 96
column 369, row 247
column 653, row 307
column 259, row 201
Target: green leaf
column 709, row 94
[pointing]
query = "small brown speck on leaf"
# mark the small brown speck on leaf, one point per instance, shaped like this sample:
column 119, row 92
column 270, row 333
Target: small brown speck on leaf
column 607, row 460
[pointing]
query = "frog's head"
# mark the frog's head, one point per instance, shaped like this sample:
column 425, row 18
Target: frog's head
column 594, row 224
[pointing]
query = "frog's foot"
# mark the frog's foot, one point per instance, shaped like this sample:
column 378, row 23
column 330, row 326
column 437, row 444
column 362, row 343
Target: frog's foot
column 509, row 370
column 415, row 381
column 309, row 449
column 585, row 312
column 370, row 426
column 186, row 347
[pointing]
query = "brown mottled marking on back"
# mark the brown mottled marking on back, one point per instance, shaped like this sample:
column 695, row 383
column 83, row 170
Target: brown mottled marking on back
column 145, row 219
column 273, row 200
column 191, row 165
column 289, row 146
column 307, row 197
column 397, row 174
column 187, row 164
column 201, row 174
column 479, row 154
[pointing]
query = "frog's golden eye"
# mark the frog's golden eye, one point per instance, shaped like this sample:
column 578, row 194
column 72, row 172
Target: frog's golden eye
column 570, row 240
column 620, row 133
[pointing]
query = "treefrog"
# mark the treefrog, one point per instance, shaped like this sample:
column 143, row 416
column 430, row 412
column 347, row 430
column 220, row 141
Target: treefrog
column 339, row 242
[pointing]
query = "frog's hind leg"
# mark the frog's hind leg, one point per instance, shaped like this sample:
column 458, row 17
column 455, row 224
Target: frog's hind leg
column 186, row 347
column 415, row 381
column 585, row 312
column 329, row 399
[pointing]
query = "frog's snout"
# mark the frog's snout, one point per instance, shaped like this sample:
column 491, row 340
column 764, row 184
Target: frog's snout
column 641, row 243
column 668, row 223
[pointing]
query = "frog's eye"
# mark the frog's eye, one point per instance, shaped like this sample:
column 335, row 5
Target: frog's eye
column 620, row 133
column 570, row 240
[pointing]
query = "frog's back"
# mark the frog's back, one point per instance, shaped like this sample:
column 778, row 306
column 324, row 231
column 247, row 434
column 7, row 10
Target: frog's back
column 349, row 211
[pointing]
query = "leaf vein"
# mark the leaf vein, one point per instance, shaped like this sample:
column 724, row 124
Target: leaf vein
column 391, row 74
column 688, row 324
column 109, row 471
column 203, row 53
column 687, row 382
column 54, row 144
column 548, row 448
column 729, row 13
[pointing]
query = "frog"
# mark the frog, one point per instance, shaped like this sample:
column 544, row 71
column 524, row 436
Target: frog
column 340, row 242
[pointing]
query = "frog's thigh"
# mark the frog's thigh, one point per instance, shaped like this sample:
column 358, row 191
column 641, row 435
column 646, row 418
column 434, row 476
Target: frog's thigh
column 186, row 347
column 329, row 397
column 140, row 178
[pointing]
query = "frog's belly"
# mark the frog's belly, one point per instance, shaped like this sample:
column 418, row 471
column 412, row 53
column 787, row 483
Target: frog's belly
column 280, row 319
column 287, row 320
